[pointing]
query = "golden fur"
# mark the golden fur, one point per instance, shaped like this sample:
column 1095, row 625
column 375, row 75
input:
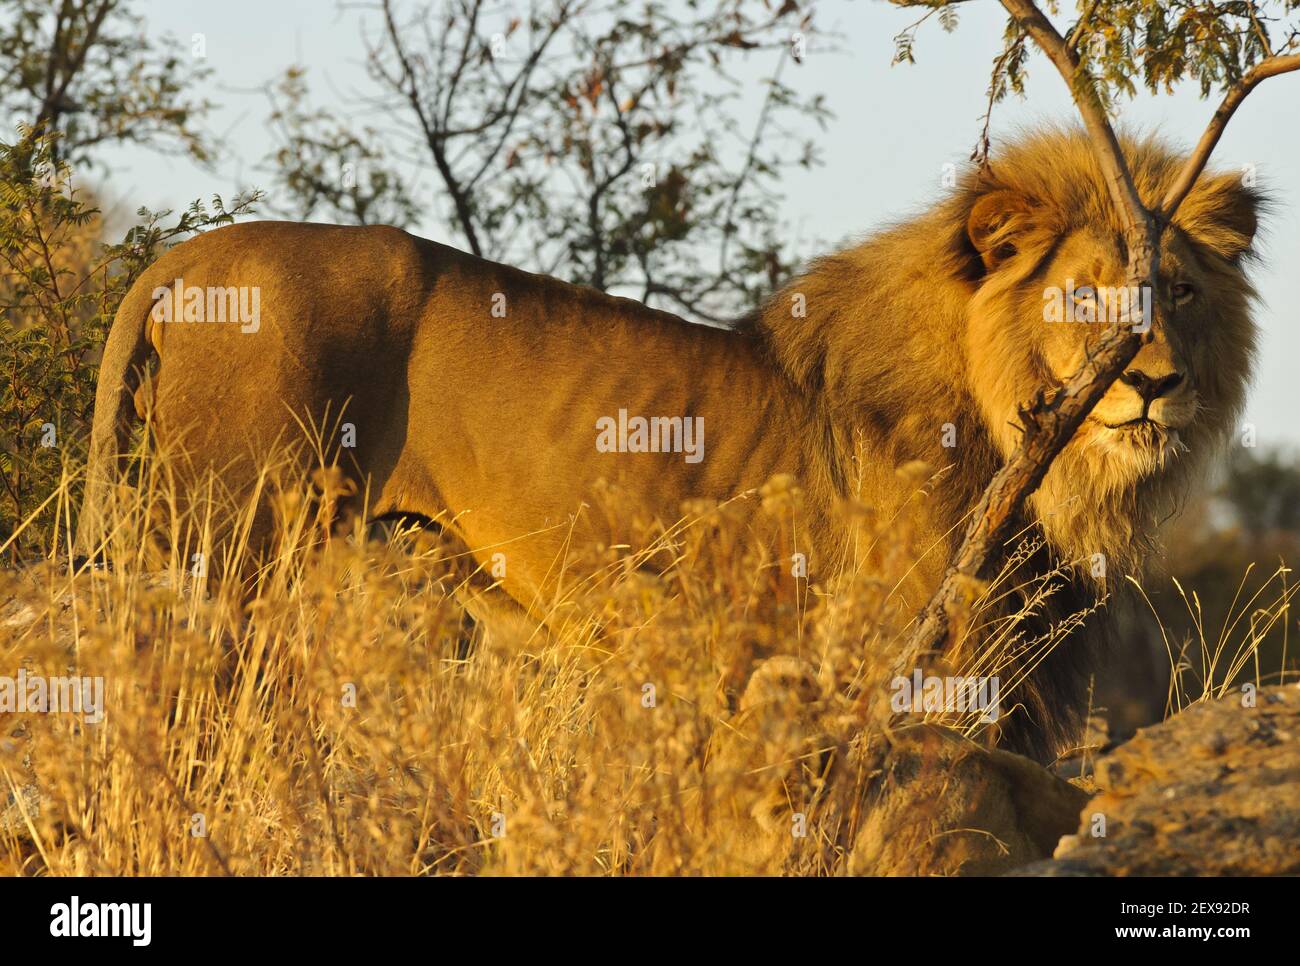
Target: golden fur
column 916, row 344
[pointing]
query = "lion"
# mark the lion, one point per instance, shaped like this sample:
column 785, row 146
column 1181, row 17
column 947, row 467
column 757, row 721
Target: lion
column 492, row 401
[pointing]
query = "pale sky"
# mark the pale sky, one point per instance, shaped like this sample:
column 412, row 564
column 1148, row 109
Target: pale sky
column 885, row 150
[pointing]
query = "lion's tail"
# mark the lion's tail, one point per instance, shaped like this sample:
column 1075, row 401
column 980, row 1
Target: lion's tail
column 120, row 370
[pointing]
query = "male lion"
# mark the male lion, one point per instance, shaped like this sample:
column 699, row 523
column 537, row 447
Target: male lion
column 492, row 400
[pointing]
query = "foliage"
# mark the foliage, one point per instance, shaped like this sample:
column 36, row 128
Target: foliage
column 1122, row 45
column 329, row 171
column 1264, row 491
column 59, row 290
column 89, row 70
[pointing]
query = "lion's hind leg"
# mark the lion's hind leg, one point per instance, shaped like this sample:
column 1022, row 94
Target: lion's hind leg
column 501, row 619
column 492, row 614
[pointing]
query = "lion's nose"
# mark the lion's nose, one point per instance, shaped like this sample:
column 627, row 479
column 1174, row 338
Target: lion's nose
column 1151, row 387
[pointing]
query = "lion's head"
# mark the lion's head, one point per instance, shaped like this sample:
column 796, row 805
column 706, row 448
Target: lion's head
column 922, row 341
column 926, row 338
column 1053, row 275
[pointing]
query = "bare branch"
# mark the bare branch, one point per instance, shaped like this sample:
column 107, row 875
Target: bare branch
column 728, row 223
column 1269, row 67
column 432, row 134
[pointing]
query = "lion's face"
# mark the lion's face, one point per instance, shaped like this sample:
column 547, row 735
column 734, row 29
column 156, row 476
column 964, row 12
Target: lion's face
column 1051, row 290
column 1140, row 424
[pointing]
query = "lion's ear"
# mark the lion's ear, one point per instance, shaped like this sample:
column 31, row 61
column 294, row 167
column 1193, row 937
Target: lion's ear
column 996, row 222
column 1221, row 213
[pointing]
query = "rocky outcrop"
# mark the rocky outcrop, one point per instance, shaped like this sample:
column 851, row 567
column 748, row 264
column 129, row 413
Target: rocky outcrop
column 1213, row 790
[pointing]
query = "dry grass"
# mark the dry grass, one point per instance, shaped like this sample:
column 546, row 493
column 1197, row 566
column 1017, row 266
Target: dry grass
column 322, row 716
column 1206, row 661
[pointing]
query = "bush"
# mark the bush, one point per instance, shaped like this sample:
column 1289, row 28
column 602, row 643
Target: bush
column 60, row 286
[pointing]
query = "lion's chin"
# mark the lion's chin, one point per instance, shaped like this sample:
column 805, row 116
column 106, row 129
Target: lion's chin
column 1134, row 450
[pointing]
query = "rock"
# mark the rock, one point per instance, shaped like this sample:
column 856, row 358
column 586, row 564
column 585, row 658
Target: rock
column 830, row 798
column 945, row 806
column 1214, row 790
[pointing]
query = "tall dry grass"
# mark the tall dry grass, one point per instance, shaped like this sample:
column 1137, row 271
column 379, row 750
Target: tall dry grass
column 1211, row 656
column 327, row 709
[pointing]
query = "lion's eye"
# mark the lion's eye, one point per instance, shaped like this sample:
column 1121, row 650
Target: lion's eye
column 1083, row 295
column 1183, row 291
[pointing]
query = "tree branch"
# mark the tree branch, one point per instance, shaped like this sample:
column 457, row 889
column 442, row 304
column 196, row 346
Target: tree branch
column 1128, row 204
column 1077, row 33
column 433, row 135
column 1269, row 67
column 1050, row 421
